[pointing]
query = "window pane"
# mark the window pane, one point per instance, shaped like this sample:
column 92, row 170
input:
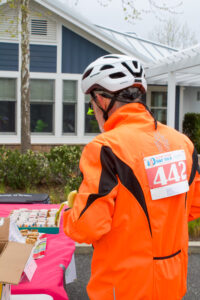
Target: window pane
column 87, row 98
column 70, row 91
column 7, row 89
column 42, row 89
column 69, row 112
column 91, row 125
column 160, row 115
column 41, row 117
column 159, row 99
column 7, row 116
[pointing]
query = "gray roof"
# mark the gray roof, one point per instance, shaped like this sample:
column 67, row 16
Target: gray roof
column 130, row 44
column 152, row 51
column 112, row 40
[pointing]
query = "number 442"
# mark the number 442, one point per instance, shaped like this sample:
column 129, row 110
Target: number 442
column 177, row 173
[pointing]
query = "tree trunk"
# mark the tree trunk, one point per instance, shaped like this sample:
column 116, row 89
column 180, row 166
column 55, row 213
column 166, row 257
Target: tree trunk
column 25, row 87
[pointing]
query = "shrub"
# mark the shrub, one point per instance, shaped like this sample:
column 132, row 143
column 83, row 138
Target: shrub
column 191, row 127
column 22, row 171
column 194, row 228
column 64, row 164
column 2, row 165
column 25, row 170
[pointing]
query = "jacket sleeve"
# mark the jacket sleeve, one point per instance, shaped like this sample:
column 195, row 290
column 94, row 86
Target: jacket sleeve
column 91, row 215
column 194, row 211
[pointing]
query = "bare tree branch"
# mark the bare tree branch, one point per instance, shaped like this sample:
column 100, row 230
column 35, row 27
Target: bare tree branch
column 133, row 11
column 173, row 34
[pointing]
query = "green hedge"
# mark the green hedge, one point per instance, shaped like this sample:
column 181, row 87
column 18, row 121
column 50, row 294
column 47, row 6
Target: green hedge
column 194, row 229
column 191, row 127
column 59, row 166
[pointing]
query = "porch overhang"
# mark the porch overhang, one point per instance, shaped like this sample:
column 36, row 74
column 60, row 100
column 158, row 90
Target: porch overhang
column 180, row 69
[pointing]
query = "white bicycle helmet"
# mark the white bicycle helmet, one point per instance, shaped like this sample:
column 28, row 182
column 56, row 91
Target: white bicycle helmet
column 114, row 72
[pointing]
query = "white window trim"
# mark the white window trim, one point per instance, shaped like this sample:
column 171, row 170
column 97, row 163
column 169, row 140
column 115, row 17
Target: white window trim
column 46, row 102
column 17, row 109
column 76, row 110
column 57, row 137
column 151, row 89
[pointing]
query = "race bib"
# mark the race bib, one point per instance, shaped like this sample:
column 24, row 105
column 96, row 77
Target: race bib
column 167, row 174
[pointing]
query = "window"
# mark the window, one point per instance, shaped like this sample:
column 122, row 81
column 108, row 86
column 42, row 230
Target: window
column 69, row 106
column 91, row 125
column 159, row 106
column 42, row 105
column 7, row 104
column 39, row 27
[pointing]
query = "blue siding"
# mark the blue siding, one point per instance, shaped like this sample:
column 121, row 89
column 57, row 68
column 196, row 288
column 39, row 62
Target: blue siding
column 43, row 58
column 9, row 56
column 77, row 52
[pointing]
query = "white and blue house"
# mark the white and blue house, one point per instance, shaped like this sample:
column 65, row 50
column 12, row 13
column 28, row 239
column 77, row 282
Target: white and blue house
column 62, row 44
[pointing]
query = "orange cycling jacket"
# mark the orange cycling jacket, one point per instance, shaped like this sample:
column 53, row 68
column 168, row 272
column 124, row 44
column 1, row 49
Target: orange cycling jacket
column 141, row 186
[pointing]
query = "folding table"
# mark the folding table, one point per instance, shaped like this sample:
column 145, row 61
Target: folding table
column 48, row 277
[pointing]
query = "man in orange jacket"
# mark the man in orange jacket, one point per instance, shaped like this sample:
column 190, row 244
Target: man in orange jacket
column 141, row 186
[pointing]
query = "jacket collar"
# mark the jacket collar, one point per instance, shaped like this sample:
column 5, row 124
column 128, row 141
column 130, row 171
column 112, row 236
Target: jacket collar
column 130, row 113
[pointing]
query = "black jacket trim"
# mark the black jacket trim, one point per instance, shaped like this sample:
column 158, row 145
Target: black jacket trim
column 195, row 166
column 108, row 180
column 67, row 208
column 112, row 167
column 166, row 257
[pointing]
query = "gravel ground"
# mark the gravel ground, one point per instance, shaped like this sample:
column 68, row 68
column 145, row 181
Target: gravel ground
column 77, row 289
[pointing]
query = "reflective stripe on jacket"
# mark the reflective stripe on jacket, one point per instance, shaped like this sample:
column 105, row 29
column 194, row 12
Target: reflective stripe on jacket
column 140, row 244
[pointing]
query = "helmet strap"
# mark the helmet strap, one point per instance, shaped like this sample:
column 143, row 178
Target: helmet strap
column 112, row 102
column 105, row 112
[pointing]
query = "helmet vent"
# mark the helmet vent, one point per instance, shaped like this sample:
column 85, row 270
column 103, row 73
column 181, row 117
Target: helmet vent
column 117, row 75
column 139, row 74
column 135, row 74
column 105, row 67
column 135, row 63
column 87, row 73
column 111, row 56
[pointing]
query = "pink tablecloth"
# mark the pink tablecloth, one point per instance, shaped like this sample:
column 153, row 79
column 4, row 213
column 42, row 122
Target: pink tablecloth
column 48, row 278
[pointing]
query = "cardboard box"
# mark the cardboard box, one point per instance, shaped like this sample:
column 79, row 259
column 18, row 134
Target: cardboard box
column 13, row 255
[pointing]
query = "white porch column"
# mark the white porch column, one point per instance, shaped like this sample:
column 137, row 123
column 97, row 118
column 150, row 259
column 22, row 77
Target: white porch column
column 171, row 97
column 181, row 110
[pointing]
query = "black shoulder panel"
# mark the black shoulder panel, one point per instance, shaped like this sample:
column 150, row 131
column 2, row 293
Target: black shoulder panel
column 111, row 167
column 127, row 178
column 108, row 180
